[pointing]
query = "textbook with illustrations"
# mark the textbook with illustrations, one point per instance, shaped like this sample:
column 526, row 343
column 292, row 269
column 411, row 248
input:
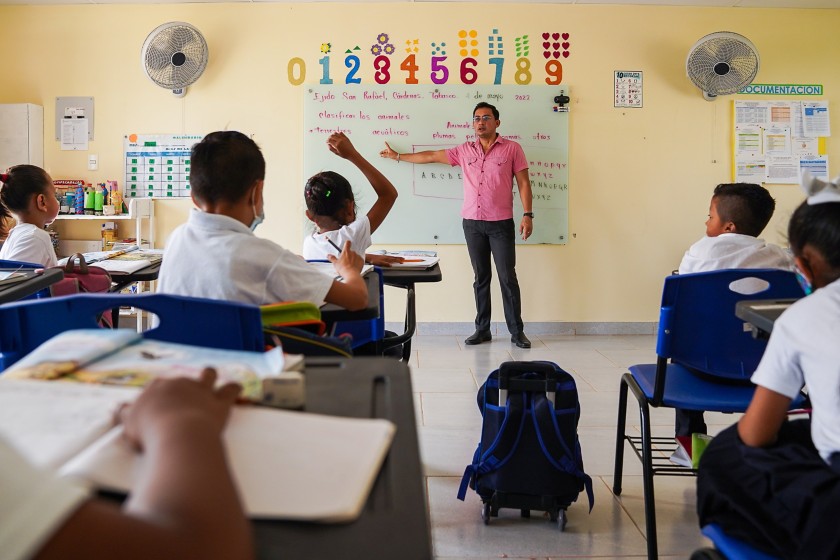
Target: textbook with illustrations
column 123, row 357
column 284, row 463
column 125, row 260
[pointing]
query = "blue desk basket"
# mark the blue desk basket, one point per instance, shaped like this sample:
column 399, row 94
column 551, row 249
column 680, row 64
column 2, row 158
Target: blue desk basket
column 28, row 265
column 226, row 325
column 364, row 332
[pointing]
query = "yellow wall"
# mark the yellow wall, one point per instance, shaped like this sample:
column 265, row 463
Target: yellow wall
column 640, row 179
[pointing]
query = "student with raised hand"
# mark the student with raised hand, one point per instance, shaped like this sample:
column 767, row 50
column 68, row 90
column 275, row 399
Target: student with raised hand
column 184, row 505
column 27, row 193
column 769, row 481
column 216, row 255
column 331, row 206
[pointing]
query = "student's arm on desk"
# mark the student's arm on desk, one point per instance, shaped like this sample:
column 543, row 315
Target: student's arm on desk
column 185, row 504
column 760, row 424
column 352, row 292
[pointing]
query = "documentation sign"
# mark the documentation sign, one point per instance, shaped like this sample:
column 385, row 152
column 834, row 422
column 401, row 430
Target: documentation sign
column 782, row 89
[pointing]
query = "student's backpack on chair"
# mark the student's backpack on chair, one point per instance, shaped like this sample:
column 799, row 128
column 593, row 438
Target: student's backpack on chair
column 529, row 455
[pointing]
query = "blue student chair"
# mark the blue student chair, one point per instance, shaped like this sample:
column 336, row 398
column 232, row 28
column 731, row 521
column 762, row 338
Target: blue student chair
column 202, row 322
column 705, row 358
column 727, row 548
column 28, row 265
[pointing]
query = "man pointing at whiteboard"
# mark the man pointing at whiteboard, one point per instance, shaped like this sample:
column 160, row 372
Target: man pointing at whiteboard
column 489, row 165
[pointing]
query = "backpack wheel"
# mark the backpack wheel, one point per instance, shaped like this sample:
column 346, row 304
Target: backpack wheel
column 525, row 512
column 485, row 513
column 561, row 520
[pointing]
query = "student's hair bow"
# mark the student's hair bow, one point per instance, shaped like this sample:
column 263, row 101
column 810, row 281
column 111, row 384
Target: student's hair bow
column 820, row 191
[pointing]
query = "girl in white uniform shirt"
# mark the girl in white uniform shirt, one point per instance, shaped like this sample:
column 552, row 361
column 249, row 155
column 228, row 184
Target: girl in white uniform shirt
column 28, row 195
column 330, row 205
column 771, row 482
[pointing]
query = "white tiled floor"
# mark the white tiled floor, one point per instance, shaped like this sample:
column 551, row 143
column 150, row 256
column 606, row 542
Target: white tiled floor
column 446, row 375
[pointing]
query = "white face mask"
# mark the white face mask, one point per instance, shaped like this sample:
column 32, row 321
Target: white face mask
column 258, row 218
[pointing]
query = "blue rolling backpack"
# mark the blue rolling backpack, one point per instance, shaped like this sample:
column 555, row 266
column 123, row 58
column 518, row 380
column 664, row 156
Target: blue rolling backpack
column 529, row 455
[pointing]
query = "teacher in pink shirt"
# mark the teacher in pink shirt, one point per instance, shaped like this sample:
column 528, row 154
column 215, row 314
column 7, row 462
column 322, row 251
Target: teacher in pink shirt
column 489, row 165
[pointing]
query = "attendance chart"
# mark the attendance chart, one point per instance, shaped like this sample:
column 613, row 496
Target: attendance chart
column 158, row 165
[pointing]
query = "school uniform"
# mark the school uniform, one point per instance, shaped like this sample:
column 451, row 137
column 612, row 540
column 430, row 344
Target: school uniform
column 733, row 250
column 785, row 498
column 317, row 245
column 29, row 243
column 727, row 251
column 217, row 257
column 33, row 504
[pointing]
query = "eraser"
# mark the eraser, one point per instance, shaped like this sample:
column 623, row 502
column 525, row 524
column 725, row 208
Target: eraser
column 285, row 390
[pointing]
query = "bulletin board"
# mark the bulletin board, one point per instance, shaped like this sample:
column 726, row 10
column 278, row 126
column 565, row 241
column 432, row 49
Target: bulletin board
column 775, row 141
column 413, row 118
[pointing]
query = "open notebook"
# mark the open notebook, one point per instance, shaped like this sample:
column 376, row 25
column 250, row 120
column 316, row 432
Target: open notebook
column 287, row 465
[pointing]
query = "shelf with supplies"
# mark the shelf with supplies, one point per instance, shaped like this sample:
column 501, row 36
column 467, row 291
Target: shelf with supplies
column 139, row 210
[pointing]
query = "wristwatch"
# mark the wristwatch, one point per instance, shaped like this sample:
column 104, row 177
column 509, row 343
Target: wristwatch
column 529, row 214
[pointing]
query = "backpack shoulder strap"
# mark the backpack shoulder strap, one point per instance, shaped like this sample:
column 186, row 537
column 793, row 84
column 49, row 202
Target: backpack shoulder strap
column 555, row 448
column 503, row 446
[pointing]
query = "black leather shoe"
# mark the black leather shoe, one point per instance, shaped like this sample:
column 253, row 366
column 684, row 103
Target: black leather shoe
column 520, row 340
column 478, row 337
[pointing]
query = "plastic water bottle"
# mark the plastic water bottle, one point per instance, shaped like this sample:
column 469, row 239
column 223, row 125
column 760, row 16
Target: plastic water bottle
column 79, row 200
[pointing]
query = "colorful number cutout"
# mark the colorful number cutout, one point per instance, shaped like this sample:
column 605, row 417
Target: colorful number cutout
column 523, row 71
column 468, row 73
column 410, row 65
column 554, row 69
column 353, row 63
column 437, row 66
column 382, row 64
column 296, row 64
column 499, row 63
column 325, row 70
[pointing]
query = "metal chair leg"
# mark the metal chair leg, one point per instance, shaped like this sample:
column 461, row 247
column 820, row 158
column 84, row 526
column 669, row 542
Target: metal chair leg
column 619, row 437
column 647, row 476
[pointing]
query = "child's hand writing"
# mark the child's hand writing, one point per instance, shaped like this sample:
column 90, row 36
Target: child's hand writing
column 341, row 146
column 383, row 260
column 348, row 263
column 168, row 405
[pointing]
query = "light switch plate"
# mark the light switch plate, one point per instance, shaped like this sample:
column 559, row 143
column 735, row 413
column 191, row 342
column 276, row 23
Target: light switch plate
column 93, row 162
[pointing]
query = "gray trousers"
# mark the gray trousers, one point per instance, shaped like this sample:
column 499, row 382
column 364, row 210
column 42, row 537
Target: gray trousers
column 497, row 239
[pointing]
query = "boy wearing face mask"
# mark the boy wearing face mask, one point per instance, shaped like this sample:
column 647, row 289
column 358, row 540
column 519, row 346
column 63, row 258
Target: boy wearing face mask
column 216, row 254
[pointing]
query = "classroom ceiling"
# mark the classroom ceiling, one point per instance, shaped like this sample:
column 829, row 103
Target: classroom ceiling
column 825, row 4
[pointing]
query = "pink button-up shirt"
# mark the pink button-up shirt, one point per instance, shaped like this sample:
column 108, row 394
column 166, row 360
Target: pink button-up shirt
column 488, row 178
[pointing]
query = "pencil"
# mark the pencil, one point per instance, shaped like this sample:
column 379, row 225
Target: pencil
column 337, row 248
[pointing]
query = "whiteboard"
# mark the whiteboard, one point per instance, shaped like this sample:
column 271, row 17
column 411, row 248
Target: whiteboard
column 429, row 117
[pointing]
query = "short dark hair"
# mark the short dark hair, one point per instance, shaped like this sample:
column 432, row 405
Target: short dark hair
column 20, row 184
column 484, row 105
column 326, row 193
column 747, row 205
column 225, row 165
column 817, row 225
